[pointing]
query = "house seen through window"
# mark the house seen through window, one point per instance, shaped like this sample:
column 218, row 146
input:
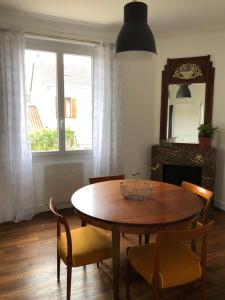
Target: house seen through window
column 59, row 100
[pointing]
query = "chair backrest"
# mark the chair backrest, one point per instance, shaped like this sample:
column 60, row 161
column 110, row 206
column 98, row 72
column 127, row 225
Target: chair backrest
column 192, row 234
column 106, row 178
column 203, row 193
column 61, row 220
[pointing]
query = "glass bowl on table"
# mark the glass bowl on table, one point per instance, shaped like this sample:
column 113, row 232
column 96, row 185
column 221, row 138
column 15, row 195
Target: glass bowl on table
column 135, row 189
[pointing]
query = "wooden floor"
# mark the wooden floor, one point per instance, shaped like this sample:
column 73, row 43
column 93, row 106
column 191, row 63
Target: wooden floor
column 28, row 266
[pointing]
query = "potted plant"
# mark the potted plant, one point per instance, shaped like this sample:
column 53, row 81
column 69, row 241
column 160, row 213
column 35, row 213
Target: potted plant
column 205, row 134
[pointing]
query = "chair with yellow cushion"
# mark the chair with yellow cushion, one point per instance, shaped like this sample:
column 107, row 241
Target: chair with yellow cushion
column 204, row 194
column 169, row 262
column 93, row 180
column 79, row 247
column 106, row 178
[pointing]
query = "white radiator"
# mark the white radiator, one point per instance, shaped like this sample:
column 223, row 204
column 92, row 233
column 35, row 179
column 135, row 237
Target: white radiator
column 62, row 180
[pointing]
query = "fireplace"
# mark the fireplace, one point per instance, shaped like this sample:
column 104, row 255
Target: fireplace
column 175, row 174
column 176, row 162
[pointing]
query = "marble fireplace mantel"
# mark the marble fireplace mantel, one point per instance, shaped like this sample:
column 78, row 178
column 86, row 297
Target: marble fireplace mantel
column 185, row 155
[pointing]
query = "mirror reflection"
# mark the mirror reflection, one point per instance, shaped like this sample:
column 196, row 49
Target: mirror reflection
column 186, row 106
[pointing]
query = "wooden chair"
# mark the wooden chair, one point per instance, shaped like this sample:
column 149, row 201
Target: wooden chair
column 106, row 178
column 204, row 194
column 93, row 180
column 79, row 247
column 170, row 262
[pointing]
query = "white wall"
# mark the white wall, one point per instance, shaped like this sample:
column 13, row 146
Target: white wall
column 138, row 115
column 54, row 26
column 197, row 44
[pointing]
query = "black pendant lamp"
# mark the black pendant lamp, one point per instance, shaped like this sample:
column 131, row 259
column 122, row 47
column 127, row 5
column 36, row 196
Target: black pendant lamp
column 183, row 91
column 135, row 40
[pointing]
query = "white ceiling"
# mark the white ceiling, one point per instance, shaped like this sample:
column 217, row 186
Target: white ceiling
column 164, row 15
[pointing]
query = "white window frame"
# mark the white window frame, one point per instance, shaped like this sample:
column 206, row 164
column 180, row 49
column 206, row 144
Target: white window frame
column 61, row 47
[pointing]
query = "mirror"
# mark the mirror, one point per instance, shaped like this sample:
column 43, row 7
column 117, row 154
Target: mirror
column 186, row 105
column 187, row 92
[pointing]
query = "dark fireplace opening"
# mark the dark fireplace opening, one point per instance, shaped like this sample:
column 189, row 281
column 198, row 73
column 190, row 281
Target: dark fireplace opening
column 175, row 174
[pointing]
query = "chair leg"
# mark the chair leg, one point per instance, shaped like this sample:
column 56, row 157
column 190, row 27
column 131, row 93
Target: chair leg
column 147, row 237
column 83, row 223
column 140, row 239
column 69, row 274
column 155, row 286
column 128, row 280
column 193, row 245
column 202, row 288
column 58, row 267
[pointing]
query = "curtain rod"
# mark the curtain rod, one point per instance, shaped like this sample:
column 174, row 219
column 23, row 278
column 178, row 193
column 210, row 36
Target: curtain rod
column 77, row 41
column 4, row 29
column 66, row 39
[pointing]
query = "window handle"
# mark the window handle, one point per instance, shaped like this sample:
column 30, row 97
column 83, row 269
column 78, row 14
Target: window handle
column 61, row 123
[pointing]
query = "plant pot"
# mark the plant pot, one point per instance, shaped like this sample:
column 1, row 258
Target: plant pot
column 204, row 142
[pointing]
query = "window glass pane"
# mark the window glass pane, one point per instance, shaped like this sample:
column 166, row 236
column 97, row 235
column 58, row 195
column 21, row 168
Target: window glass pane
column 78, row 101
column 41, row 93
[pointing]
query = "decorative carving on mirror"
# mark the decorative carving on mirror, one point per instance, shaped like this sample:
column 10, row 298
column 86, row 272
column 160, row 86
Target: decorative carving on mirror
column 188, row 71
column 187, row 98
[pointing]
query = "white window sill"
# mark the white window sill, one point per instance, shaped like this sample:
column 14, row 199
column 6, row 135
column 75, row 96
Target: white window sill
column 82, row 154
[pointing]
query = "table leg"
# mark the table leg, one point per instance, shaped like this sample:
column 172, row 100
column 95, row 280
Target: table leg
column 193, row 242
column 116, row 260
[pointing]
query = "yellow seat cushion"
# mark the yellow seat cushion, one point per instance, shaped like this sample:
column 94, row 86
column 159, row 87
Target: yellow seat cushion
column 177, row 265
column 89, row 245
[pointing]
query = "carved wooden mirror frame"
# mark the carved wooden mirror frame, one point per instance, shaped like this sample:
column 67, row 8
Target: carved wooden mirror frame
column 185, row 71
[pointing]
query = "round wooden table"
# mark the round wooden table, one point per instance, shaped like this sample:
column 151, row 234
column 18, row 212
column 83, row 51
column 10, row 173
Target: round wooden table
column 102, row 205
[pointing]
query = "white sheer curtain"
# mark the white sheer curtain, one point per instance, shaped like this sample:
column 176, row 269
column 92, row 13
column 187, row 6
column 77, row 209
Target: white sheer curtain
column 16, row 180
column 107, row 132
